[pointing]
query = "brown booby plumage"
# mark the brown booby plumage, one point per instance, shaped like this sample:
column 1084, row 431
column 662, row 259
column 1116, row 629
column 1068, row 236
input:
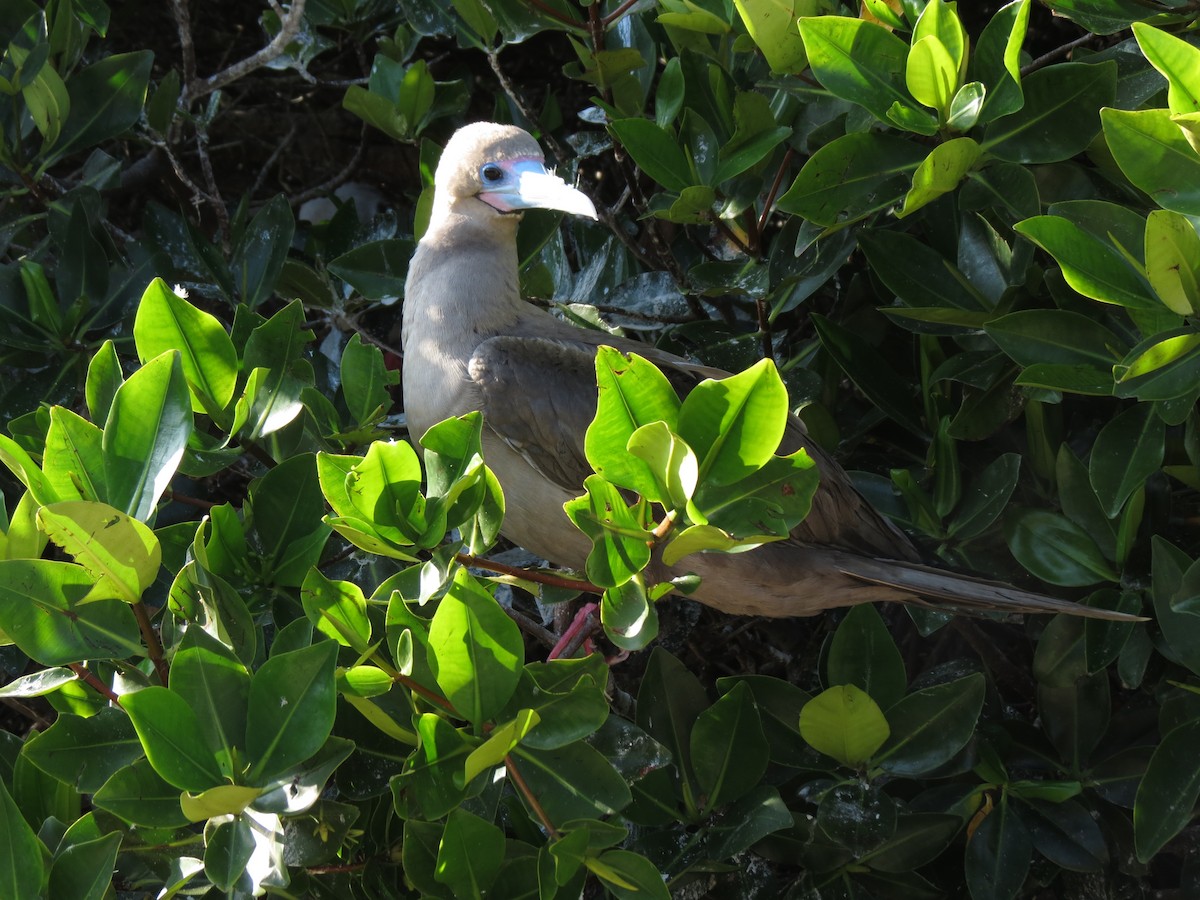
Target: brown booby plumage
column 472, row 343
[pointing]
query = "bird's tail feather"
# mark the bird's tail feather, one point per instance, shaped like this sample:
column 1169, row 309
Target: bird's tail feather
column 967, row 592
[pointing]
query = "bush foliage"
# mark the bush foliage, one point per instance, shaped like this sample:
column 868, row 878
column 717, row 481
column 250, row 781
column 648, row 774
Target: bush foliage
column 243, row 652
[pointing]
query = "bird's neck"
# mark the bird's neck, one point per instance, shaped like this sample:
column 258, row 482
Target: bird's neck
column 463, row 278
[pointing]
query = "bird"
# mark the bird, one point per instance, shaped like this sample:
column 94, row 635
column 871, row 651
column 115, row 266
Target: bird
column 470, row 342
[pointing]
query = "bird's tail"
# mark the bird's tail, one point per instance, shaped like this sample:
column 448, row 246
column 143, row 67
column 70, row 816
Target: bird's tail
column 940, row 589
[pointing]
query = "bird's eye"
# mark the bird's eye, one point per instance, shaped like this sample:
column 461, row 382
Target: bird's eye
column 492, row 173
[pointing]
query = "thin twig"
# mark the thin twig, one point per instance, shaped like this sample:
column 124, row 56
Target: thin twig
column 289, row 27
column 775, row 186
column 89, row 678
column 214, row 190
column 154, row 648
column 618, row 12
column 529, row 626
column 546, row 578
column 1047, row 58
column 187, row 50
column 530, row 797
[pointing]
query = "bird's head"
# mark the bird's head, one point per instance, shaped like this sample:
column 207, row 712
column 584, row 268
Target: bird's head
column 503, row 167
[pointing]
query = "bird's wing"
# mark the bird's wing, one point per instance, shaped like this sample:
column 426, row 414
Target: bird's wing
column 538, row 395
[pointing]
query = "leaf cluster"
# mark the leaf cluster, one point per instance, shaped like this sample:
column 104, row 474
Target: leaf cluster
column 243, row 650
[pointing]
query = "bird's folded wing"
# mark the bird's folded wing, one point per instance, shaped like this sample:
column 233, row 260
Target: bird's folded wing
column 538, row 395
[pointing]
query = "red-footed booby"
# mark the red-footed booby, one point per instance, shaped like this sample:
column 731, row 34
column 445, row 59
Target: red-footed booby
column 472, row 343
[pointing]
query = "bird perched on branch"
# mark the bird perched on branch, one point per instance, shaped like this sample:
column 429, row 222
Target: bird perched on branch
column 472, row 343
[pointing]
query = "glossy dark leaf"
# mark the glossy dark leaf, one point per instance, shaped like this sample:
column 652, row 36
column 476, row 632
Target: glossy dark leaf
column 1059, row 117
column 1128, row 450
column 106, row 100
column 930, row 726
column 1055, row 549
column 728, row 748
column 863, row 653
column 998, row 854
column 1168, row 791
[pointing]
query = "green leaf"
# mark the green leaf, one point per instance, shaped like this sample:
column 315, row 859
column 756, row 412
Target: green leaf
column 365, row 380
column 475, row 650
column 1162, row 368
column 104, row 378
column 470, row 854
column 1060, row 115
column 986, row 498
column 629, row 616
column 138, row 795
column 146, row 433
column 1168, row 791
column 84, row 870
column 940, row 172
column 227, row 852
column 165, row 321
column 1154, row 153
column 668, row 97
column 919, row 275
column 285, row 506
column 1179, row 63
column 48, row 102
column 728, row 748
column 997, row 60
column 620, row 542
column 1057, row 336
column 572, row 782
column 121, row 553
column 74, row 459
column 377, row 498
column 85, row 752
column 1173, row 261
column 259, row 255
column 502, row 740
column 763, row 506
column 852, row 177
column 376, row 269
column 628, row 875
column 24, row 867
column 632, row 393
column 1095, row 267
column 858, row 61
column 106, row 101
column 215, row 685
column 1127, row 451
column 290, row 709
column 734, row 424
column 671, row 461
column 338, row 609
column 656, row 152
column 170, row 733
column 930, row 73
column 47, row 611
column 930, row 726
column 1055, row 549
column 773, row 26
column 755, row 137
column 845, row 723
column 862, row 653
column 566, row 695
column 998, row 854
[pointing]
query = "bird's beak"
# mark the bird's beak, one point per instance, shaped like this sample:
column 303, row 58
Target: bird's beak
column 530, row 186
